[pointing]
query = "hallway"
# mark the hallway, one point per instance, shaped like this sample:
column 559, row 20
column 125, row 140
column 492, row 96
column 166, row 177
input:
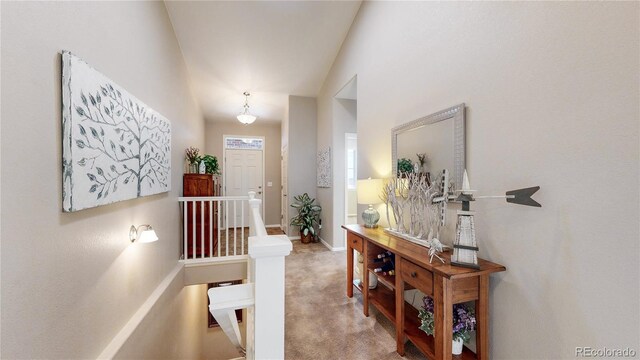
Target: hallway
column 321, row 322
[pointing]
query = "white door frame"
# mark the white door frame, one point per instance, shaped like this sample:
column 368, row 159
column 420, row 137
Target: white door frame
column 347, row 137
column 284, row 203
column 264, row 170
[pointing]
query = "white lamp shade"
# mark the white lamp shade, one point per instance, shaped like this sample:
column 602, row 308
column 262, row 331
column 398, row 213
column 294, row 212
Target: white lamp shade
column 369, row 191
column 246, row 118
column 147, row 236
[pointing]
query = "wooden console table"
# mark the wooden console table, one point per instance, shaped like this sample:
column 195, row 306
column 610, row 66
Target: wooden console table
column 446, row 284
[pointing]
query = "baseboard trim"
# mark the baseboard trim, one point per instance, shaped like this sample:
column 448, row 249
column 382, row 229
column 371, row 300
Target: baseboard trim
column 273, row 226
column 123, row 335
column 294, row 238
column 331, row 247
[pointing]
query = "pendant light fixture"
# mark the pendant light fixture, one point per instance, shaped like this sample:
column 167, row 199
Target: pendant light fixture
column 245, row 117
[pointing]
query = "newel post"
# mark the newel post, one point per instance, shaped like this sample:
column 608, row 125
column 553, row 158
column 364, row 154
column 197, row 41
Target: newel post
column 254, row 208
column 266, row 272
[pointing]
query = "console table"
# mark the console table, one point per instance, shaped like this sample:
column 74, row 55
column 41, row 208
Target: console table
column 446, row 284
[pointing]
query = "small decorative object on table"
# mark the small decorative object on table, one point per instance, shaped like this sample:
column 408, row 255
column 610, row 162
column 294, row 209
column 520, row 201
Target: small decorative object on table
column 465, row 248
column 307, row 218
column 464, row 321
column 193, row 157
column 435, row 247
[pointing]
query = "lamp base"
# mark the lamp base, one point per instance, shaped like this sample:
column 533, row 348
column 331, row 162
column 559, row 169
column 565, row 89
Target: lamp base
column 371, row 217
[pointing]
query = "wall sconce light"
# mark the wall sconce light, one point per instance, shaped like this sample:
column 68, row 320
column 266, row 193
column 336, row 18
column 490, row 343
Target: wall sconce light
column 143, row 233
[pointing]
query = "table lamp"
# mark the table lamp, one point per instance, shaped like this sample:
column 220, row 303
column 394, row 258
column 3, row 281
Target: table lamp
column 369, row 194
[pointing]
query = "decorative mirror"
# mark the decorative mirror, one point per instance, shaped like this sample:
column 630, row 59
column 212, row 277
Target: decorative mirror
column 440, row 137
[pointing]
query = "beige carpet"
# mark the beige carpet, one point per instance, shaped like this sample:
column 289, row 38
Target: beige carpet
column 321, row 322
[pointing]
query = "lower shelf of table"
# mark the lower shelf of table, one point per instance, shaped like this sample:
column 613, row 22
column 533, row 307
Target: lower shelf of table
column 384, row 300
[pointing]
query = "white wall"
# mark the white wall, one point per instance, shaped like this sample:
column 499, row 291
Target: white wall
column 215, row 130
column 172, row 326
column 301, row 142
column 344, row 113
column 553, row 100
column 71, row 281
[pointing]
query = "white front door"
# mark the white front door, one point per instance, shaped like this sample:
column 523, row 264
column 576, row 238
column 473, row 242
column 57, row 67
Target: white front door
column 243, row 173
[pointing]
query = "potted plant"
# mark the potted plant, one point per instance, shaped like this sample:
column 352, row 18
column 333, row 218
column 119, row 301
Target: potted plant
column 464, row 321
column 404, row 166
column 308, row 216
column 211, row 164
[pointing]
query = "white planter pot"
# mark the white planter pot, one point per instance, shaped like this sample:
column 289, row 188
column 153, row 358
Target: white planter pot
column 456, row 348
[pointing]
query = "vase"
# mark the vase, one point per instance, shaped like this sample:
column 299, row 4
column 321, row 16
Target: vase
column 193, row 168
column 456, row 348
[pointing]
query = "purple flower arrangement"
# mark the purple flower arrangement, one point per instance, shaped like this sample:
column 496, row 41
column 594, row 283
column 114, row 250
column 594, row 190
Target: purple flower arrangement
column 464, row 320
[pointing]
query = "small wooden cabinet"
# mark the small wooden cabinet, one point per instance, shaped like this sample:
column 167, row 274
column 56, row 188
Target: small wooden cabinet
column 205, row 221
column 446, row 284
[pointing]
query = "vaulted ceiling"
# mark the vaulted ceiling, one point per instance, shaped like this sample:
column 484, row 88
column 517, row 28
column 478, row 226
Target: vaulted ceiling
column 272, row 49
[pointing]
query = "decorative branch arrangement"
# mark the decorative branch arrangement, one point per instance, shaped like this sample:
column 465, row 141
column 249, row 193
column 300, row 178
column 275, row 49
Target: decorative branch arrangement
column 413, row 193
column 114, row 147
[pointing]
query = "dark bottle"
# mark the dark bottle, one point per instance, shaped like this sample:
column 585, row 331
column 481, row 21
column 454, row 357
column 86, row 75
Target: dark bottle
column 388, row 266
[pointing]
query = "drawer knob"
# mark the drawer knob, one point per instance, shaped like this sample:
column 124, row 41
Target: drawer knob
column 413, row 274
column 354, row 241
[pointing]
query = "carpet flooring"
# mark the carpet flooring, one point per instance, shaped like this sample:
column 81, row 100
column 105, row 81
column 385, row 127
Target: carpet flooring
column 321, row 322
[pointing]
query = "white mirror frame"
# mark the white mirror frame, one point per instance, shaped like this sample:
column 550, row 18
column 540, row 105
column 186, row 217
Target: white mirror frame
column 456, row 113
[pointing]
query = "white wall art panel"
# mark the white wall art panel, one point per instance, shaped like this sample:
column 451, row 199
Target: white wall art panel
column 324, row 168
column 114, row 146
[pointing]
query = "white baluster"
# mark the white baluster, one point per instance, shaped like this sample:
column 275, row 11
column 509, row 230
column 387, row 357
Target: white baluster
column 210, row 228
column 184, row 229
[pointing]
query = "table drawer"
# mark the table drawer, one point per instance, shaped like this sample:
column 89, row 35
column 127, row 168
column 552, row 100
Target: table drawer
column 354, row 241
column 420, row 278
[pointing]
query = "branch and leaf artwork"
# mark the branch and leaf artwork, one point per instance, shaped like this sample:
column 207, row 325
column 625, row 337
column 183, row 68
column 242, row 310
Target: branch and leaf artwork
column 115, row 147
column 324, row 168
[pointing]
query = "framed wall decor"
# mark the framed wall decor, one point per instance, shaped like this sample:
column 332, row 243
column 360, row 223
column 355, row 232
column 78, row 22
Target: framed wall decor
column 114, row 147
column 324, row 168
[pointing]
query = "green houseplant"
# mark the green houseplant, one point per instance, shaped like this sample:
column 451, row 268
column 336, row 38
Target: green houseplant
column 211, row 164
column 308, row 217
column 404, row 166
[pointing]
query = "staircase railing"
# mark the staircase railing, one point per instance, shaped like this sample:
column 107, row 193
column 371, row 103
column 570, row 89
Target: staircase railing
column 214, row 228
column 262, row 296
